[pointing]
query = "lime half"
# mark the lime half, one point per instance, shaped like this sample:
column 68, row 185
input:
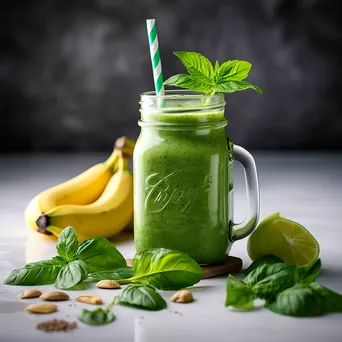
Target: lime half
column 283, row 238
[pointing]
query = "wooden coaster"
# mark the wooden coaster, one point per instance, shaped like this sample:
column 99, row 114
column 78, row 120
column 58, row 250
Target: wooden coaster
column 229, row 265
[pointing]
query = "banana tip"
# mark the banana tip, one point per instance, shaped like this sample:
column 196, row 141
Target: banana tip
column 120, row 143
column 42, row 221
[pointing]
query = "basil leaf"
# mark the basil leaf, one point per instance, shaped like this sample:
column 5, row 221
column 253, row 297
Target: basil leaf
column 120, row 273
column 308, row 274
column 100, row 255
column 67, row 243
column 268, row 280
column 332, row 301
column 196, row 64
column 264, row 260
column 165, row 269
column 189, row 82
column 142, row 296
column 96, row 317
column 304, row 300
column 298, row 301
column 35, row 273
column 217, row 67
column 239, row 295
column 71, row 274
column 58, row 261
column 233, row 86
column 232, row 71
column 204, row 77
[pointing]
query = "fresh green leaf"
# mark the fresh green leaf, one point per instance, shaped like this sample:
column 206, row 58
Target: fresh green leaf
column 308, row 274
column 196, row 64
column 239, row 295
column 264, row 260
column 142, row 296
column 232, row 71
column 233, row 86
column 80, row 287
column 164, row 269
column 100, row 255
column 306, row 300
column 201, row 73
column 203, row 77
column 120, row 273
column 332, row 301
column 216, row 68
column 58, row 261
column 36, row 273
column 71, row 274
column 269, row 280
column 96, row 317
column 298, row 301
column 67, row 243
column 189, row 82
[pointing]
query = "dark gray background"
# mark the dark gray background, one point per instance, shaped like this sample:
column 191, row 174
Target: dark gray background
column 71, row 71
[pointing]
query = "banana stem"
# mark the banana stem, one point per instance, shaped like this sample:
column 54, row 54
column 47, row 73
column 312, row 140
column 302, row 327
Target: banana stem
column 123, row 163
column 125, row 145
column 112, row 160
column 116, row 166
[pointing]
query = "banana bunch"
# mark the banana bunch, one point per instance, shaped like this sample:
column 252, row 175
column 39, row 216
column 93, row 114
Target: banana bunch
column 98, row 202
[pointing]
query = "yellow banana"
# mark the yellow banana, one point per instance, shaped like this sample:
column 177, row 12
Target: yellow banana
column 107, row 216
column 82, row 189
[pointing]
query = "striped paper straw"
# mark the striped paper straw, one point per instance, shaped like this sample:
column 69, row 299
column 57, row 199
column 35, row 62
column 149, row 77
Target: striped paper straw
column 155, row 57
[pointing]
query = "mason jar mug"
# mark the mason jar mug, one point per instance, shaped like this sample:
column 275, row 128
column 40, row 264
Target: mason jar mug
column 184, row 177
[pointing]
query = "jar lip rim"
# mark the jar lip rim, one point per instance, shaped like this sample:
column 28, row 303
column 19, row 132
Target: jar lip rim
column 179, row 93
column 187, row 125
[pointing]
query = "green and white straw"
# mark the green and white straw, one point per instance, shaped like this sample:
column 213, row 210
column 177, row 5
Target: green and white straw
column 155, row 57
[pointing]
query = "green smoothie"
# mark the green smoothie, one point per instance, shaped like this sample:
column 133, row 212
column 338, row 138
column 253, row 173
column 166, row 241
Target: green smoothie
column 182, row 179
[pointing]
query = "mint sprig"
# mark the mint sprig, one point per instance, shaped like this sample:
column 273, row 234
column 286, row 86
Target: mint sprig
column 208, row 78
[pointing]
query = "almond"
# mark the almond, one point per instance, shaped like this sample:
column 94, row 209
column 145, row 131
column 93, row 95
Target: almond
column 54, row 296
column 108, row 284
column 183, row 296
column 30, row 293
column 89, row 299
column 41, row 308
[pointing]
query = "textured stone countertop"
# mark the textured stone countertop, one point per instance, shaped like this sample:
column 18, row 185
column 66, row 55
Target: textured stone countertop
column 305, row 187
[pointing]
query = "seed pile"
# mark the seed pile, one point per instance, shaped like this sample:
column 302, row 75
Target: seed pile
column 56, row 325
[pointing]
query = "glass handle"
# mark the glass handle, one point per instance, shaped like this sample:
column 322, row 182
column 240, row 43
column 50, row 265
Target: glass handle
column 243, row 229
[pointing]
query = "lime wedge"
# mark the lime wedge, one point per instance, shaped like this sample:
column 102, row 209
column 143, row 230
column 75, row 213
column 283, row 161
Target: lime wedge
column 283, row 238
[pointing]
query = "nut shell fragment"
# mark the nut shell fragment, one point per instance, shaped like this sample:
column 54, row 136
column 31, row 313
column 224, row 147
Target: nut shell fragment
column 41, row 308
column 182, row 296
column 54, row 296
column 30, row 293
column 108, row 284
column 89, row 299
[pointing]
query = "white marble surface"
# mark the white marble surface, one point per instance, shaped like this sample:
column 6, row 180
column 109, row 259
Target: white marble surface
column 306, row 187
